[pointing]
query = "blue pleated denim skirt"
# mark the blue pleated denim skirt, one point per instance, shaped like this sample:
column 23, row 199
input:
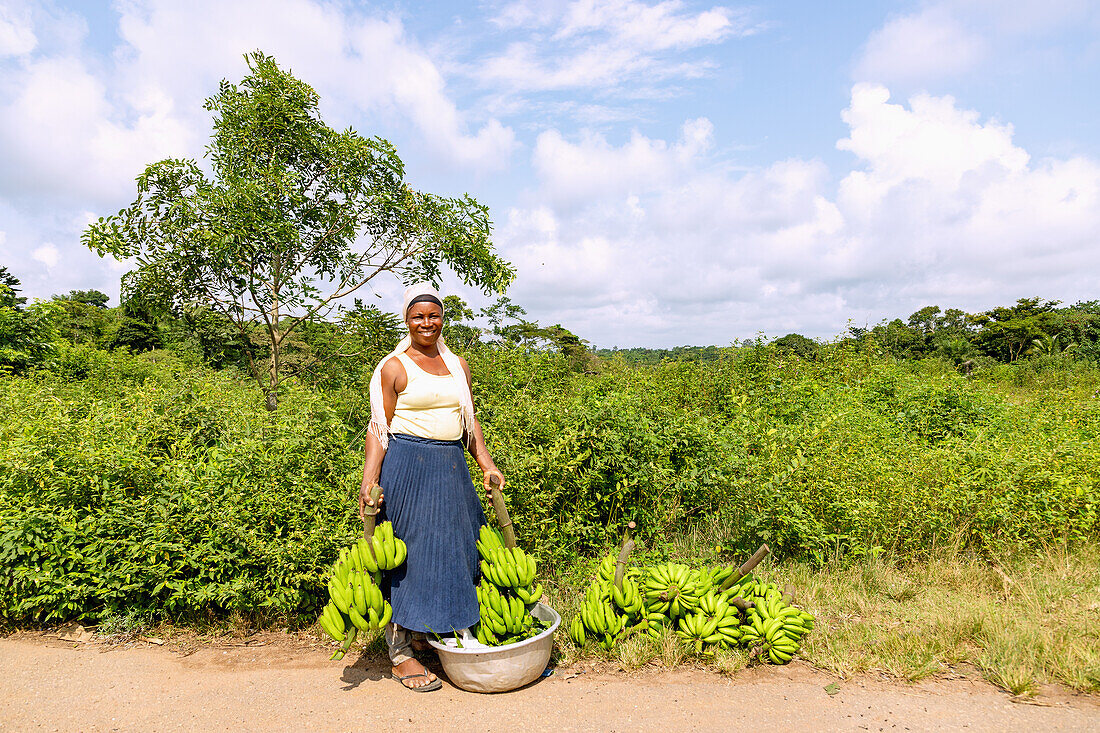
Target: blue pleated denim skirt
column 435, row 509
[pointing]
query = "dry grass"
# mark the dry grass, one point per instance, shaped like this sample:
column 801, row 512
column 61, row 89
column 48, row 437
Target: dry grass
column 637, row 651
column 728, row 661
column 566, row 599
column 1023, row 624
column 1027, row 624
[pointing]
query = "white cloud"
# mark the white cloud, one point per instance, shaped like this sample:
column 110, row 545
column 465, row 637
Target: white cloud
column 16, row 33
column 949, row 39
column 360, row 64
column 929, row 44
column 42, row 249
column 626, row 236
column 941, row 207
column 577, row 172
column 649, row 27
column 603, row 44
column 933, row 140
column 77, row 130
column 62, row 136
column 47, row 254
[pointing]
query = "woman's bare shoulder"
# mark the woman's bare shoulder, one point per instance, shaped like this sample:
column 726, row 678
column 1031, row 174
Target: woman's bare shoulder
column 393, row 373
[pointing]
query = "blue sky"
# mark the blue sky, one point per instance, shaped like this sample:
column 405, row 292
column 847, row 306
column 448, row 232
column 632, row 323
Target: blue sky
column 660, row 172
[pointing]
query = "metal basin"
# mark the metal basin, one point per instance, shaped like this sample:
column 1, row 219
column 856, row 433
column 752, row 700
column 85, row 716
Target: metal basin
column 501, row 668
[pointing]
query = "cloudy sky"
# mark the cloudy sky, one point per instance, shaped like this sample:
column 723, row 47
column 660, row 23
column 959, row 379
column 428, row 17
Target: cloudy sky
column 660, row 172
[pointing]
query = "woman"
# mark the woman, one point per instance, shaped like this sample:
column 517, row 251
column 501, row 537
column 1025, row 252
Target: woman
column 421, row 417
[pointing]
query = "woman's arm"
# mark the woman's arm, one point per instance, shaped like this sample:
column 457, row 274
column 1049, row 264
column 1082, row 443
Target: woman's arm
column 393, row 381
column 477, row 445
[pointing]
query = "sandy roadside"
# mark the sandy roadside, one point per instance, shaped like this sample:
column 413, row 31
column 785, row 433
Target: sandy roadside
column 49, row 685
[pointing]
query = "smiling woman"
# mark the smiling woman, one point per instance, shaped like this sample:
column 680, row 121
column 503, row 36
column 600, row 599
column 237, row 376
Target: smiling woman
column 422, row 418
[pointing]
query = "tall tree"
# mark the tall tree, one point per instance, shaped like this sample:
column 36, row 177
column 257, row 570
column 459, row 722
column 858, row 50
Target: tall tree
column 458, row 334
column 89, row 297
column 295, row 216
column 501, row 311
column 9, row 290
column 1007, row 333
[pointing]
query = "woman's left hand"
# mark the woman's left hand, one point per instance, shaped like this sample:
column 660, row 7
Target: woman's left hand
column 490, row 474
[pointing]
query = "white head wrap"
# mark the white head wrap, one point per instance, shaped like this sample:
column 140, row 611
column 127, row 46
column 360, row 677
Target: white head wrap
column 379, row 425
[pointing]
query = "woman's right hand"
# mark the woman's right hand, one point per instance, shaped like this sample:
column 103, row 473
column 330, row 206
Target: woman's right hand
column 365, row 500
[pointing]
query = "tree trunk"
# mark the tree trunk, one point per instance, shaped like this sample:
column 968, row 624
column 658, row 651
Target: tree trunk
column 273, row 373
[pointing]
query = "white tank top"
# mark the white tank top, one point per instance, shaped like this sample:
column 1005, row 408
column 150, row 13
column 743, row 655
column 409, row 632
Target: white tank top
column 428, row 407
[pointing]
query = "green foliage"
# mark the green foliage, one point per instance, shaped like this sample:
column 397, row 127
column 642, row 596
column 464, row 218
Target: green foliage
column 640, row 355
column 88, row 297
column 82, row 318
column 797, row 344
column 149, row 486
column 1031, row 327
column 1008, row 333
column 211, row 335
column 843, row 457
column 9, row 290
column 456, row 334
column 295, row 216
column 371, row 334
column 135, row 335
column 167, row 495
column 26, row 336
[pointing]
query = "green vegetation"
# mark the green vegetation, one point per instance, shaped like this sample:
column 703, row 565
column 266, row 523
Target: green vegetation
column 174, row 493
column 1031, row 327
column 295, row 216
column 152, row 484
column 142, row 480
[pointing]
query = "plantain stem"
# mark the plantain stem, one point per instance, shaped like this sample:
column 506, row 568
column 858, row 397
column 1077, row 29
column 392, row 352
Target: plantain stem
column 371, row 512
column 740, row 603
column 747, row 568
column 624, row 553
column 503, row 519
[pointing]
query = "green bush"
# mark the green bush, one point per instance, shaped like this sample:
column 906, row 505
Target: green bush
column 177, row 496
column 26, row 336
column 148, row 484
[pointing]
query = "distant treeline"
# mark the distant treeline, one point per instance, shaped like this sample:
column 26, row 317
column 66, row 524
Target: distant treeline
column 331, row 352
column 640, row 355
column 1030, row 327
column 327, row 353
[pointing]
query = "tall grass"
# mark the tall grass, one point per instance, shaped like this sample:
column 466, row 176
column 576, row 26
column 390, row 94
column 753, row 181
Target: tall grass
column 1022, row 623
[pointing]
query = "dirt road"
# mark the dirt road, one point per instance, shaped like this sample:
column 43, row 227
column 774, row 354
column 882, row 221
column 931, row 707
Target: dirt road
column 49, row 685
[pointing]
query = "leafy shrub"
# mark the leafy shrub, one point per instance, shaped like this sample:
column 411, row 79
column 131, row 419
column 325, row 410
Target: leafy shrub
column 796, row 343
column 130, row 333
column 26, row 336
column 147, row 486
column 178, row 497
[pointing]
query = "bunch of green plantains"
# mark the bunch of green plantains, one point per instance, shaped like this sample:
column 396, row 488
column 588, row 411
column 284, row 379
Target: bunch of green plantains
column 707, row 607
column 355, row 594
column 506, row 592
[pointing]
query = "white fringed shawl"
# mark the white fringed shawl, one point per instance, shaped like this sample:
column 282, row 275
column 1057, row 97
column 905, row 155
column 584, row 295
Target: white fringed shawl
column 379, row 425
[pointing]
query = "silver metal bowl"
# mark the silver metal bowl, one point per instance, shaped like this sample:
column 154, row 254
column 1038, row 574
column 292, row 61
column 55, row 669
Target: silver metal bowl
column 501, row 668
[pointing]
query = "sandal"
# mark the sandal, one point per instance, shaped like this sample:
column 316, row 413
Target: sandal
column 433, row 685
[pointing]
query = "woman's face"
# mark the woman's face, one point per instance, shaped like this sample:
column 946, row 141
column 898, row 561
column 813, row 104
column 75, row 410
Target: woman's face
column 425, row 322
